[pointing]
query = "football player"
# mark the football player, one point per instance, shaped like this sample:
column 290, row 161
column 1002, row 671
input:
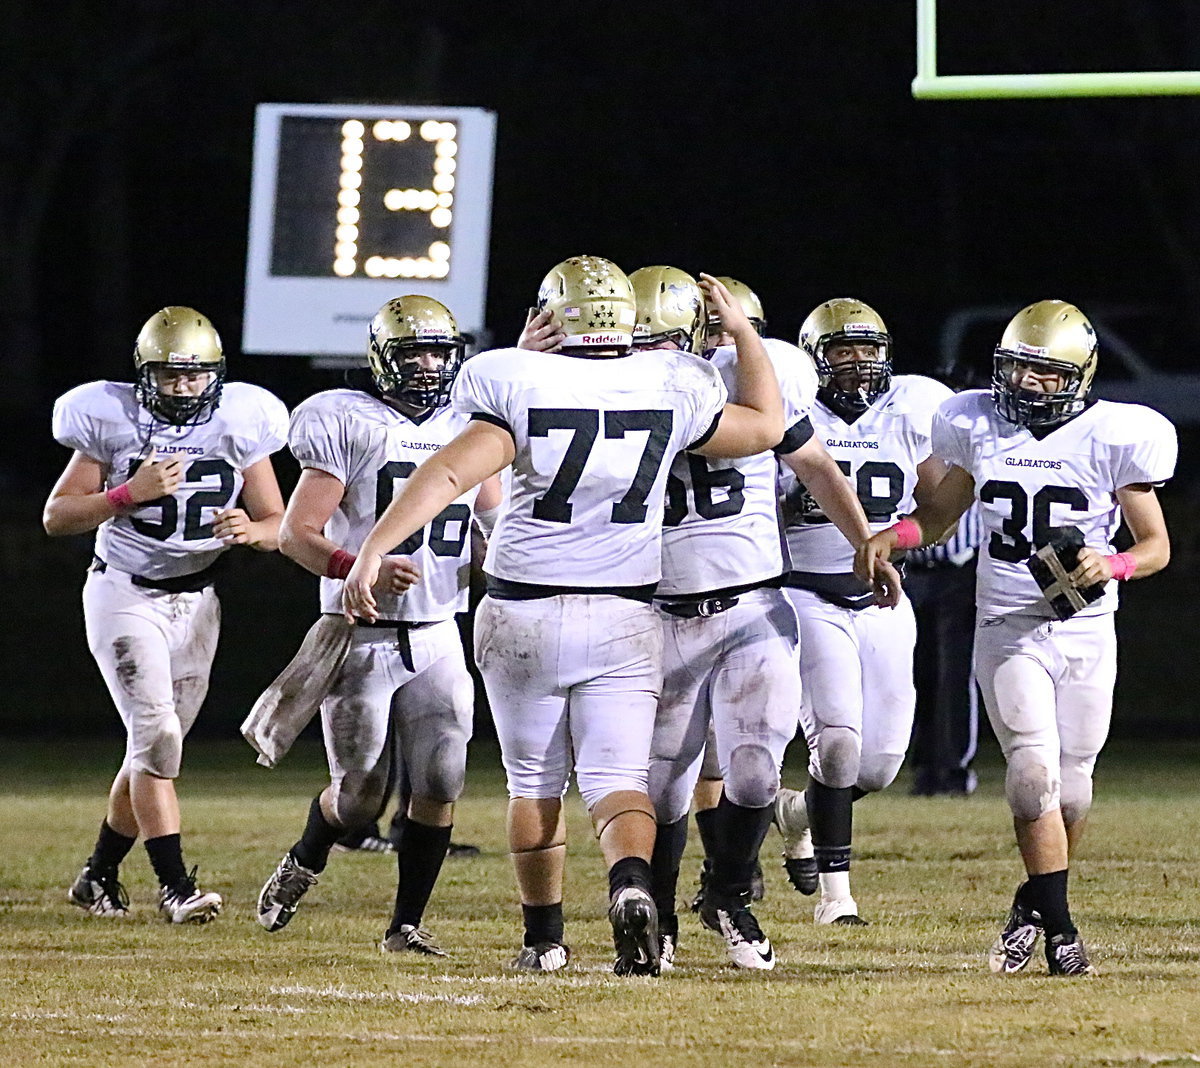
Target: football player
column 1047, row 462
column 170, row 471
column 404, row 670
column 730, row 637
column 856, row 665
column 568, row 642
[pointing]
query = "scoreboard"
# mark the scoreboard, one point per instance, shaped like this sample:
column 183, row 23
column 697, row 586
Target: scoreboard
column 353, row 205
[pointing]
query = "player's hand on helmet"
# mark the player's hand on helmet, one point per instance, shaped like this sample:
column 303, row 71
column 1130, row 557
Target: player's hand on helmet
column 542, row 332
column 232, row 526
column 397, row 574
column 358, row 602
column 155, row 478
column 1093, row 568
column 733, row 316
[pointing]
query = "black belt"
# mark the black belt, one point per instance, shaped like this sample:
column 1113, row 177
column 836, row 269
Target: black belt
column 193, row 583
column 395, row 624
column 710, row 606
column 509, row 590
column 401, row 627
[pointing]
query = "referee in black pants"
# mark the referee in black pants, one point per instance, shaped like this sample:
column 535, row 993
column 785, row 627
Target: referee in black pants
column 940, row 583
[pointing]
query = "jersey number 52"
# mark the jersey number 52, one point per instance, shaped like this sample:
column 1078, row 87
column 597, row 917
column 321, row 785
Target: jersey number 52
column 194, row 527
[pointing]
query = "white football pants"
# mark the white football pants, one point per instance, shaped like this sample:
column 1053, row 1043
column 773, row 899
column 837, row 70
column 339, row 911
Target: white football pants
column 1048, row 688
column 738, row 673
column 155, row 650
column 858, row 694
column 572, row 680
column 429, row 707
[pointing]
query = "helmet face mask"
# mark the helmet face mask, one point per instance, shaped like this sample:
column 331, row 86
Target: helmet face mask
column 844, row 327
column 180, row 342
column 670, row 308
column 847, row 368
column 404, row 334
column 592, row 301
column 1049, row 339
column 403, row 378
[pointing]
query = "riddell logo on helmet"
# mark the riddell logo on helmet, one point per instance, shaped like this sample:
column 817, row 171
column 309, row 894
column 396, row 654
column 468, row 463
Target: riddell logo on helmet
column 603, row 339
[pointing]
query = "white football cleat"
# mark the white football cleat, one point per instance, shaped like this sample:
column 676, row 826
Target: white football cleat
column 745, row 943
column 280, row 896
column 542, row 957
column 667, row 944
column 187, row 903
column 410, row 939
column 100, row 894
column 842, row 911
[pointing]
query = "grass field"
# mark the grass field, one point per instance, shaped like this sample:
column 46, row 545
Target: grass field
column 934, row 877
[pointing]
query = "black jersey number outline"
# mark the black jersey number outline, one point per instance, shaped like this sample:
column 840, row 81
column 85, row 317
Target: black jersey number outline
column 194, row 529
column 705, row 479
column 584, row 423
column 878, row 508
column 1010, row 542
column 439, row 543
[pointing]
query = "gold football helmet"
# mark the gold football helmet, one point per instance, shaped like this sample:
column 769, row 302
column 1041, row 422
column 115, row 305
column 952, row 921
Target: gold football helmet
column 848, row 387
column 746, row 297
column 1049, row 337
column 593, row 302
column 402, row 329
column 178, row 339
column 670, row 307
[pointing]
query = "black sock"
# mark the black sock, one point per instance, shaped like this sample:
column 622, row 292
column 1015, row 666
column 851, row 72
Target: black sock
column 543, row 923
column 418, row 862
column 112, row 847
column 166, row 857
column 706, row 824
column 355, row 837
column 629, row 871
column 669, row 844
column 1048, row 894
column 740, row 832
column 312, row 850
column 830, row 815
column 396, row 827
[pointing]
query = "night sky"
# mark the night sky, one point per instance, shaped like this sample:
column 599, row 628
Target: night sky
column 777, row 142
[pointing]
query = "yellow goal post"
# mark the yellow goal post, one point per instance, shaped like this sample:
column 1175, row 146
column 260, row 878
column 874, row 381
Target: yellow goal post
column 929, row 85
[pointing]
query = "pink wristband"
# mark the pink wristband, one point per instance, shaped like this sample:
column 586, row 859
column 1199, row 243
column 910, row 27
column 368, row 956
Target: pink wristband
column 340, row 563
column 908, row 534
column 1123, row 565
column 121, row 498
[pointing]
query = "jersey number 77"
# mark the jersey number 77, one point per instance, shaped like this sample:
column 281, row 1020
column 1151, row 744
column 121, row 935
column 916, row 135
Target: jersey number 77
column 584, row 423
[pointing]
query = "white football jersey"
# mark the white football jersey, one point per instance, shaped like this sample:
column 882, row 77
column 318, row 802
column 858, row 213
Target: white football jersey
column 722, row 521
column 879, row 453
column 371, row 449
column 171, row 536
column 594, row 440
column 1026, row 487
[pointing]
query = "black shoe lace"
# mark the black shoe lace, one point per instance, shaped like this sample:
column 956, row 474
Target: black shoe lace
column 747, row 925
column 112, row 888
column 1070, row 957
column 186, row 887
column 292, row 881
